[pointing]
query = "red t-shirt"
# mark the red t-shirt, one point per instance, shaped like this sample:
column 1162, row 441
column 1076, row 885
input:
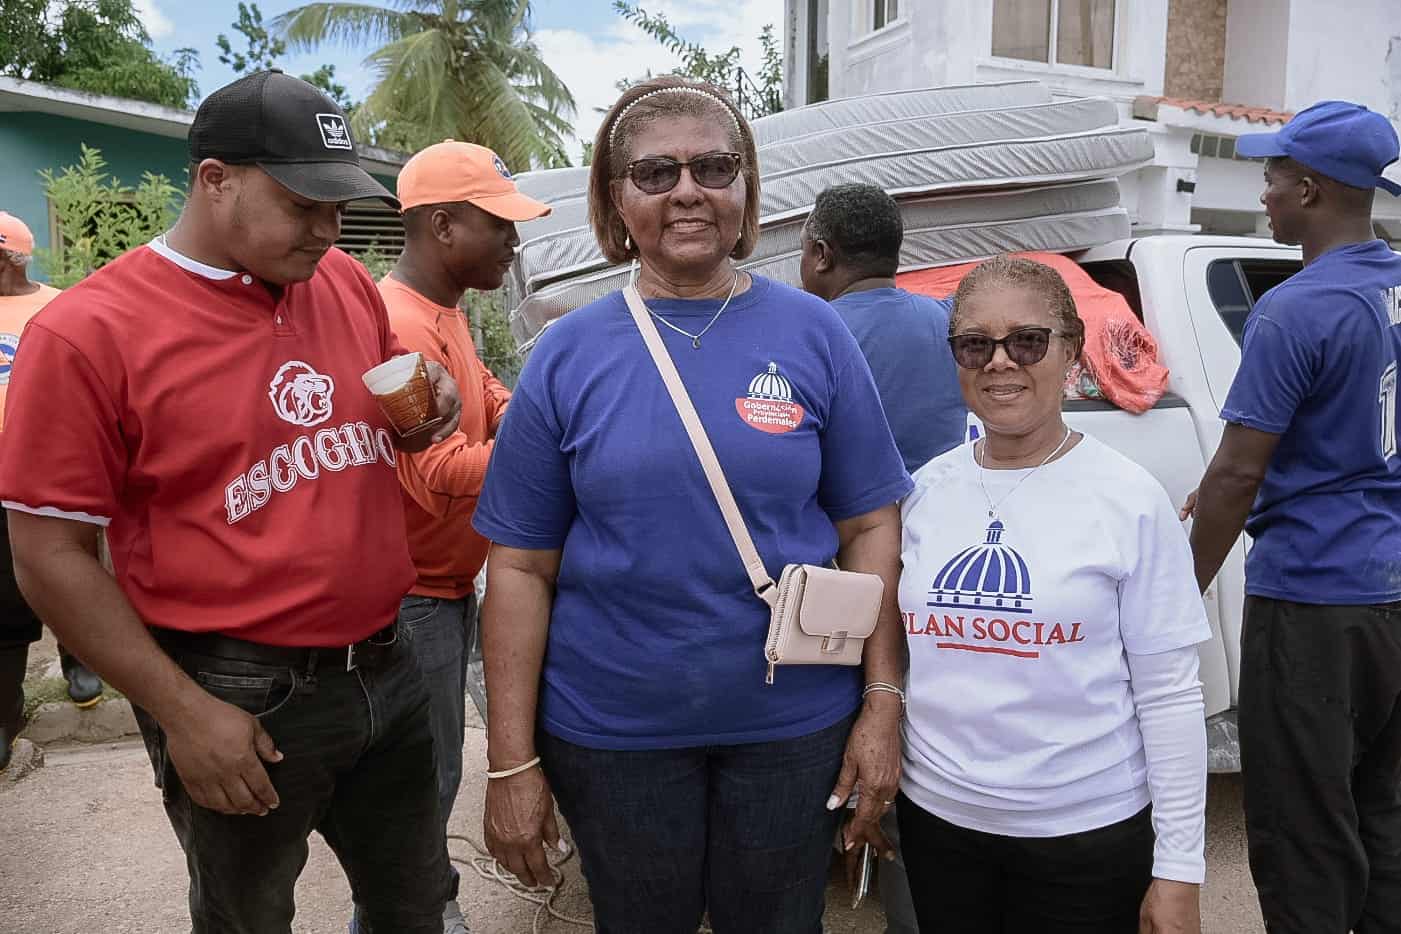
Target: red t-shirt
column 224, row 433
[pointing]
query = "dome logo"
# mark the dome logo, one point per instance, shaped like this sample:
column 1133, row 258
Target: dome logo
column 990, row 576
column 981, row 601
column 769, row 406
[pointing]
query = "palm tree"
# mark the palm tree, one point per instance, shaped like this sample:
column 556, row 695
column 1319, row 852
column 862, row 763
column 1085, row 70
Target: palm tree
column 465, row 69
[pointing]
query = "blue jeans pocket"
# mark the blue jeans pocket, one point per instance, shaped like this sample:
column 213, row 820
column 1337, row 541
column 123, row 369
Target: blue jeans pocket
column 414, row 611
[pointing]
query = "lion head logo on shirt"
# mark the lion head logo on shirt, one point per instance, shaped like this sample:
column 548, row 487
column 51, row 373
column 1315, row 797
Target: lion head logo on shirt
column 301, row 395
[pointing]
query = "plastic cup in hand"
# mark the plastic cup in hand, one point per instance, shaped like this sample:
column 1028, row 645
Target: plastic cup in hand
column 404, row 393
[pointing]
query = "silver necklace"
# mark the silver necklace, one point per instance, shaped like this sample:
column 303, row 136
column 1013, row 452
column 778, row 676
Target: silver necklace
column 695, row 338
column 992, row 507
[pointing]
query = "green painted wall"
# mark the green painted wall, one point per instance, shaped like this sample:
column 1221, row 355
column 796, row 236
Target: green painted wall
column 33, row 141
column 30, row 142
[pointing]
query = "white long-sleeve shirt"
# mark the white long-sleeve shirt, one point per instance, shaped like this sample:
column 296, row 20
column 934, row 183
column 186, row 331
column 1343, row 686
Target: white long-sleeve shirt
column 1053, row 666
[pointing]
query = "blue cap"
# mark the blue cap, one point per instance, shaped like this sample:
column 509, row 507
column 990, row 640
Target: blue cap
column 1346, row 142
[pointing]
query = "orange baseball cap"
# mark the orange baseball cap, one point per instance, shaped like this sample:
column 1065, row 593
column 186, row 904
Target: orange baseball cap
column 453, row 171
column 14, row 235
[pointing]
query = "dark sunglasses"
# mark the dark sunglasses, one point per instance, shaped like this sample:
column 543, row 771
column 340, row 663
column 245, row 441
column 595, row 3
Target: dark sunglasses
column 657, row 174
column 1025, row 347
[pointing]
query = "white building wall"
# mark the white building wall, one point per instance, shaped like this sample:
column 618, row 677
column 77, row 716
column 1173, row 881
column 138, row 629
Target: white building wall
column 1340, row 50
column 940, row 43
column 1257, row 44
column 1281, row 54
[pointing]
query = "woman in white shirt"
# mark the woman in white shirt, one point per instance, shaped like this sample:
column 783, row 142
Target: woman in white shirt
column 1055, row 749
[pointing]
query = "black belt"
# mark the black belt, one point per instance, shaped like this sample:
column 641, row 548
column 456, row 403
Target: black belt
column 367, row 653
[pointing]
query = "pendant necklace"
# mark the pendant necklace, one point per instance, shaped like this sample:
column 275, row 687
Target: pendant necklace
column 696, row 338
column 992, row 507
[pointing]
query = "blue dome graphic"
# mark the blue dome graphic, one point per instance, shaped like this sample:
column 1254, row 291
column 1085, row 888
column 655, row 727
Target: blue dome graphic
column 989, row 577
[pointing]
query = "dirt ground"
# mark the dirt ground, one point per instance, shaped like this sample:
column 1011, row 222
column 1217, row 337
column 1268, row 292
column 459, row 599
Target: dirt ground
column 86, row 847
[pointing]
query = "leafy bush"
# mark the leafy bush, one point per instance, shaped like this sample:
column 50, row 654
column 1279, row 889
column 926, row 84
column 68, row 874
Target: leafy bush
column 99, row 218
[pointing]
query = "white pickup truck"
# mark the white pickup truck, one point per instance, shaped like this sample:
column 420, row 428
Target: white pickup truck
column 1193, row 294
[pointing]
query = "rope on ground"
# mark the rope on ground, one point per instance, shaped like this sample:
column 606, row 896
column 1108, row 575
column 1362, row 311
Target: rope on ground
column 485, row 866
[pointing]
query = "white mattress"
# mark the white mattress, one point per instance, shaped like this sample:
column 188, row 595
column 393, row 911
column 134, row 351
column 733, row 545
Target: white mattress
column 792, row 172
column 550, row 185
column 977, row 170
column 937, row 245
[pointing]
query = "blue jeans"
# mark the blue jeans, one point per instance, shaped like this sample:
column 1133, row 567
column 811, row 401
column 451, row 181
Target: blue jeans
column 666, row 834
column 358, row 768
column 440, row 633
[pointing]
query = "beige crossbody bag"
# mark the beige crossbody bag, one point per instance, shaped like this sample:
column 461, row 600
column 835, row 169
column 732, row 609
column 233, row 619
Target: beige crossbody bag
column 818, row 616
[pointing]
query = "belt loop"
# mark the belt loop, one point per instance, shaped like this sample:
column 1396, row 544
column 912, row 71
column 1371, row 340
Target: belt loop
column 309, row 676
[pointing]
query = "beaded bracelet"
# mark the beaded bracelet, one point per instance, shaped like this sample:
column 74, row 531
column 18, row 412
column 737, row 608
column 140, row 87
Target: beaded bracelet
column 507, row 773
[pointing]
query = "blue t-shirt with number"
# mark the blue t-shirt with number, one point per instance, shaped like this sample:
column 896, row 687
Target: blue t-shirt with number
column 1318, row 368
column 656, row 638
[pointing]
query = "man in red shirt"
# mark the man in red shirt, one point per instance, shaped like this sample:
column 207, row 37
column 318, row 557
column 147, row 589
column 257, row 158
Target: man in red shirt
column 460, row 211
column 201, row 398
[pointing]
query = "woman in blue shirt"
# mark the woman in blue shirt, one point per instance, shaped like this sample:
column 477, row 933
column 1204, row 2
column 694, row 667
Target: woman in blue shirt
column 624, row 644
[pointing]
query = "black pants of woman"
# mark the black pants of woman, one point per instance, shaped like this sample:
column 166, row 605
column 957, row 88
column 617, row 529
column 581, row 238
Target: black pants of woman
column 969, row 882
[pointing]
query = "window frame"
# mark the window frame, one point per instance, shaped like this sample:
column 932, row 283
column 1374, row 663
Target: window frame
column 866, row 15
column 1051, row 63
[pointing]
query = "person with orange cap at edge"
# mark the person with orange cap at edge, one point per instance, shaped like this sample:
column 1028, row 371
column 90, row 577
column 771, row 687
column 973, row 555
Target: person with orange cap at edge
column 460, row 212
column 20, row 300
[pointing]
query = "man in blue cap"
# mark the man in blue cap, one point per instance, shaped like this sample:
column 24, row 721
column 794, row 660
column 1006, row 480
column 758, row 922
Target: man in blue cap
column 1308, row 465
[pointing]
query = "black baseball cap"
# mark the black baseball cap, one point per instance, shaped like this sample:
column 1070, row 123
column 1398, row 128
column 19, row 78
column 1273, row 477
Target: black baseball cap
column 291, row 131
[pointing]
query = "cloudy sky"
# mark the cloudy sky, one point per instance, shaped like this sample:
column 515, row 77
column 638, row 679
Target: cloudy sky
column 584, row 41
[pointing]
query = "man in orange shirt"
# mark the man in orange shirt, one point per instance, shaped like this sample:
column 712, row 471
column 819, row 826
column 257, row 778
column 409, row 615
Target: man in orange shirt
column 21, row 300
column 460, row 212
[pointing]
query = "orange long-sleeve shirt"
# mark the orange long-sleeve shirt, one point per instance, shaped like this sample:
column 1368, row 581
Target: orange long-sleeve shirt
column 441, row 484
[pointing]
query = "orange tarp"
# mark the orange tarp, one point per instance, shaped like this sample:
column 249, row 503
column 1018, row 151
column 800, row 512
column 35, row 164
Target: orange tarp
column 1120, row 355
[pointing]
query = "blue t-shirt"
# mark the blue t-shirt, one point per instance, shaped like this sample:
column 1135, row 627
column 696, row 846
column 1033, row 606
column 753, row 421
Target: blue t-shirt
column 656, row 637
column 1318, row 368
column 905, row 339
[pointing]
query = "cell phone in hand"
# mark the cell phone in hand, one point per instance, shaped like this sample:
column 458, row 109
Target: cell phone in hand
column 863, row 879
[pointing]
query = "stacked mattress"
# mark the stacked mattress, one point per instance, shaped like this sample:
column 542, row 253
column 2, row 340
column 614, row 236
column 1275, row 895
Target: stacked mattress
column 977, row 170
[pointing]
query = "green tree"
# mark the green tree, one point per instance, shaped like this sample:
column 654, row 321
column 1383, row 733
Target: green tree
column 325, row 79
column 263, row 47
column 467, row 69
column 756, row 95
column 99, row 218
column 92, row 45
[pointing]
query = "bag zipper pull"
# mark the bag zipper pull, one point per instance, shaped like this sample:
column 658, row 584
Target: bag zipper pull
column 768, row 678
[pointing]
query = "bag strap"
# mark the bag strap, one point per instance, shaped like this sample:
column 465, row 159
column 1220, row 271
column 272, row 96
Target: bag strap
column 753, row 565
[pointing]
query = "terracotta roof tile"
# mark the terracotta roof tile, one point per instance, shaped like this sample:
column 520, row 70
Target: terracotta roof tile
column 1148, row 105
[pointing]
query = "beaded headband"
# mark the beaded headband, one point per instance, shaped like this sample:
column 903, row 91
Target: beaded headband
column 675, row 89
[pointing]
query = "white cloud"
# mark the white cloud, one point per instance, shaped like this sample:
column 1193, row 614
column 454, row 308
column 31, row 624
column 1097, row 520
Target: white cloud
column 590, row 65
column 156, row 22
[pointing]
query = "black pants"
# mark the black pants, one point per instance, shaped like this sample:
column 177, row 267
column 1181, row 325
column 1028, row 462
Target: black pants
column 1320, row 729
column 18, row 627
column 969, row 882
column 358, row 768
